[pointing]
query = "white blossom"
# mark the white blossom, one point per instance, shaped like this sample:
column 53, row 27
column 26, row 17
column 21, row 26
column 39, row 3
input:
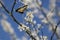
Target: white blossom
column 37, row 38
column 30, row 15
column 52, row 20
column 26, row 2
column 29, row 18
column 31, row 6
column 50, row 14
column 23, row 27
column 52, row 4
column 39, row 2
column 52, row 27
column 34, row 33
column 39, row 26
column 34, row 22
column 41, row 17
column 35, row 11
column 44, row 20
column 44, row 37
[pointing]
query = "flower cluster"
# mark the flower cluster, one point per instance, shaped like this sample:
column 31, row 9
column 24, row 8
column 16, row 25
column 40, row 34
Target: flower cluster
column 23, row 27
column 44, row 37
column 29, row 18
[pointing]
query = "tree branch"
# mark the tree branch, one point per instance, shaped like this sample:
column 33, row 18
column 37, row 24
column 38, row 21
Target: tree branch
column 55, row 30
column 13, row 6
column 11, row 14
column 4, row 7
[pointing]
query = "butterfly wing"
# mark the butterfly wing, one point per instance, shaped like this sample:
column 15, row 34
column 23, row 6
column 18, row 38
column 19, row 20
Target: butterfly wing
column 21, row 9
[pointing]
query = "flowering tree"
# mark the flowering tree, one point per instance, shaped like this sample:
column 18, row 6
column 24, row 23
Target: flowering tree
column 35, row 18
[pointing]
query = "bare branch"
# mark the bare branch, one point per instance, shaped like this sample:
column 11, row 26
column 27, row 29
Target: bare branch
column 13, row 6
column 55, row 30
column 4, row 7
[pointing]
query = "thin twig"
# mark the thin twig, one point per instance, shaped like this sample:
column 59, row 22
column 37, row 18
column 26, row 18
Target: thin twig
column 4, row 7
column 12, row 13
column 13, row 6
column 55, row 30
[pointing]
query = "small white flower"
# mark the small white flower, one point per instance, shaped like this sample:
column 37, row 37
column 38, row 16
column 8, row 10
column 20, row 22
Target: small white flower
column 34, row 22
column 29, row 18
column 27, row 28
column 31, row 5
column 39, row 2
column 23, row 27
column 50, row 14
column 37, row 38
column 25, row 18
column 44, row 20
column 39, row 25
column 34, row 33
column 45, row 37
column 41, row 16
column 35, row 11
column 19, row 28
column 26, row 2
column 30, row 14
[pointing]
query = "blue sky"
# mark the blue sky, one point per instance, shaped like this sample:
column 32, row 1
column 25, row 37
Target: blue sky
column 5, row 36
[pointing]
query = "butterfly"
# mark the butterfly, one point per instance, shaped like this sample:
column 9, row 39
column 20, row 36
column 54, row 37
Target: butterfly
column 22, row 9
